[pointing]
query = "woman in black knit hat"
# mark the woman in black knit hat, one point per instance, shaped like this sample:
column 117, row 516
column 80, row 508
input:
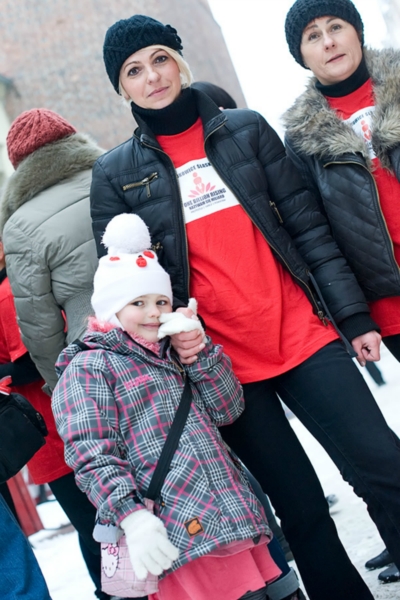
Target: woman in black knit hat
column 343, row 132
column 229, row 218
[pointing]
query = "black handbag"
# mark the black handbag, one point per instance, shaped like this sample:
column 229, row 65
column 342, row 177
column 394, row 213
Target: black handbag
column 22, row 431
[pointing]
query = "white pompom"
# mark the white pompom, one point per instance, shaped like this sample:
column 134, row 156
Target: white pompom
column 126, row 233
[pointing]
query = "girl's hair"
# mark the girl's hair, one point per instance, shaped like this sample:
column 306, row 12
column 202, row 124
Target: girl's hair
column 184, row 69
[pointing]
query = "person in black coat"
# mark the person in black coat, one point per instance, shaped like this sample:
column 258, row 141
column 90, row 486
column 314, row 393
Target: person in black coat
column 342, row 133
column 234, row 225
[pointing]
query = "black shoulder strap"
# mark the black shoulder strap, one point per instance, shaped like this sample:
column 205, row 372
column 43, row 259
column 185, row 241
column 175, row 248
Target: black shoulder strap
column 171, row 443
column 81, row 345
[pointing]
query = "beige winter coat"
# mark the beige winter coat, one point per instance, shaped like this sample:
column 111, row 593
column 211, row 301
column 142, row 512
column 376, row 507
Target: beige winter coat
column 50, row 252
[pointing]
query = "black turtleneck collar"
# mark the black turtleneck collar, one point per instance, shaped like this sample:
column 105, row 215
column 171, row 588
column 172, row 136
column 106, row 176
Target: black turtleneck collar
column 3, row 275
column 173, row 119
column 349, row 85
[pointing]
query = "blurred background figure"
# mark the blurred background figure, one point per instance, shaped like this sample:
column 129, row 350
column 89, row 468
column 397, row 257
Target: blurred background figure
column 220, row 96
column 21, row 577
column 48, row 244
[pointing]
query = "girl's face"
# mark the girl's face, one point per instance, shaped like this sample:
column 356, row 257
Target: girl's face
column 331, row 48
column 151, row 78
column 141, row 315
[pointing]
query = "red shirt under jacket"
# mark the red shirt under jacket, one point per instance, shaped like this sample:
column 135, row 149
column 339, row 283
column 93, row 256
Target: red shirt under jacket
column 250, row 303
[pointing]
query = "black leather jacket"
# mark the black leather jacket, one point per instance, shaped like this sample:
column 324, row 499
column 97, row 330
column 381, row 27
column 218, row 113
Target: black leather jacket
column 139, row 177
column 359, row 227
column 335, row 164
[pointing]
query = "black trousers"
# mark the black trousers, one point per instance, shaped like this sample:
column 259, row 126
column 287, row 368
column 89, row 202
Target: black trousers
column 330, row 397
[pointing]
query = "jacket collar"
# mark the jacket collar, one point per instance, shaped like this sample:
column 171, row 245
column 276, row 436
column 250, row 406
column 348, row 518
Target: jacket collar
column 314, row 129
column 212, row 118
column 117, row 340
column 46, row 167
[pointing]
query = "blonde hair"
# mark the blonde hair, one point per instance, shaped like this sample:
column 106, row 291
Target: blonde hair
column 183, row 66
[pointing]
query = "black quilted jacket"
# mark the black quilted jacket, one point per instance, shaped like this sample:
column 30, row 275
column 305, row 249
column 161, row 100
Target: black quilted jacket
column 334, row 163
column 139, row 177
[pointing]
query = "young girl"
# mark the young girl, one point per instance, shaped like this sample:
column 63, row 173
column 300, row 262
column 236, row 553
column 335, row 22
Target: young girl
column 114, row 405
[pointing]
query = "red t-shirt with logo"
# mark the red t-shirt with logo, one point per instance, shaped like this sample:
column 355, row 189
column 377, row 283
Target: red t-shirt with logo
column 250, row 303
column 48, row 463
column 357, row 109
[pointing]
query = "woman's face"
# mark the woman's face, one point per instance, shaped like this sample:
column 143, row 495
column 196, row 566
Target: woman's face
column 331, row 48
column 151, row 78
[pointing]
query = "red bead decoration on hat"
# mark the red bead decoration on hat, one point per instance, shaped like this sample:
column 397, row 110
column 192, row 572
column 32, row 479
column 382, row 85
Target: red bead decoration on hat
column 115, row 258
column 141, row 262
column 148, row 254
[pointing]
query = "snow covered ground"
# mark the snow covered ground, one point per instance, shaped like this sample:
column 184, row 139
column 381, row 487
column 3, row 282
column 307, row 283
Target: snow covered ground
column 63, row 567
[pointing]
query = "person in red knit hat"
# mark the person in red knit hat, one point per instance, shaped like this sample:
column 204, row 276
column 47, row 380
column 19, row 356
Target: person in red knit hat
column 343, row 134
column 45, row 293
column 32, row 130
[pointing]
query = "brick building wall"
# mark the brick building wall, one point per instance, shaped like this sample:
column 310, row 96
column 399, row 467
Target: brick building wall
column 52, row 51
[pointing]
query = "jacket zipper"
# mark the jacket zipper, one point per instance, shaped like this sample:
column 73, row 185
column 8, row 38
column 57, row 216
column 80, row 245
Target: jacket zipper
column 146, row 181
column 156, row 247
column 182, row 211
column 378, row 203
column 275, row 209
column 320, row 314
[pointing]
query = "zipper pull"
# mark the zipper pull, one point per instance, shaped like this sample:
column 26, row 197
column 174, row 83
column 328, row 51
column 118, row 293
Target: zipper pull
column 323, row 318
column 275, row 209
column 156, row 247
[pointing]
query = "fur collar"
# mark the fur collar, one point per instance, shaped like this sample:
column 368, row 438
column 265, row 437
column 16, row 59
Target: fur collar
column 313, row 128
column 46, row 167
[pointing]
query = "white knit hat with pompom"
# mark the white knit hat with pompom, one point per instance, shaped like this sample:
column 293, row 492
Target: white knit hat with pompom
column 129, row 270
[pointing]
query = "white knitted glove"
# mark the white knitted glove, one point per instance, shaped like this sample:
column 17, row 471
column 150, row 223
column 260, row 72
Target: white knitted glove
column 150, row 550
column 177, row 322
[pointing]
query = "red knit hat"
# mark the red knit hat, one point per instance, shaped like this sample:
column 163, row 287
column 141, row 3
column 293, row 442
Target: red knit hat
column 32, row 130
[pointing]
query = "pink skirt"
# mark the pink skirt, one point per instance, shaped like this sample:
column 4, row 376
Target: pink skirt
column 220, row 578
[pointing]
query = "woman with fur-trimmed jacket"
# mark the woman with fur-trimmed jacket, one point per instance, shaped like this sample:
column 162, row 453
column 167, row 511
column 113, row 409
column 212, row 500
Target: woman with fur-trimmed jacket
column 343, row 133
column 51, row 260
column 48, row 242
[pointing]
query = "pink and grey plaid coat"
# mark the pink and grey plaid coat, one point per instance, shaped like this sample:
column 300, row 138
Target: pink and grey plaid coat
column 114, row 405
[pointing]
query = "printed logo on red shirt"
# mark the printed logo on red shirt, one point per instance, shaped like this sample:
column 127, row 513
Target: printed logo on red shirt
column 203, row 191
column 361, row 122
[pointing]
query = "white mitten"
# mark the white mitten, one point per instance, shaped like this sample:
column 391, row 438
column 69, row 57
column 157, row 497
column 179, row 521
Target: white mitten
column 177, row 322
column 150, row 550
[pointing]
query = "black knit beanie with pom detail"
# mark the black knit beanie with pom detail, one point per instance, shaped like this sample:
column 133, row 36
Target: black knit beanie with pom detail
column 305, row 11
column 130, row 35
